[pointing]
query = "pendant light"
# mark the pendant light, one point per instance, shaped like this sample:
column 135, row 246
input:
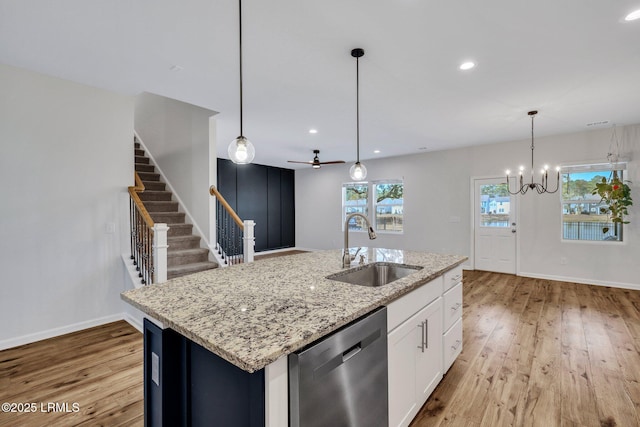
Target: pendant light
column 543, row 186
column 358, row 171
column 241, row 150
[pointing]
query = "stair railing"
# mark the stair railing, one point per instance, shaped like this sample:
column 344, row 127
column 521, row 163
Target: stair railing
column 148, row 239
column 235, row 241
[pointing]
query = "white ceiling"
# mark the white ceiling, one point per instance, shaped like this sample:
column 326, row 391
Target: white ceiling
column 576, row 61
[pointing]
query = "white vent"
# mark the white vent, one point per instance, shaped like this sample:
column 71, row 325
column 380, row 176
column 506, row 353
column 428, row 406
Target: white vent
column 598, row 124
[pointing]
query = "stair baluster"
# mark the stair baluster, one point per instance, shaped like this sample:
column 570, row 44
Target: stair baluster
column 231, row 232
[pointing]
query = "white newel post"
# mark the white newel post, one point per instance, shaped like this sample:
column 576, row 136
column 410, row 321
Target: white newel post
column 160, row 252
column 249, row 240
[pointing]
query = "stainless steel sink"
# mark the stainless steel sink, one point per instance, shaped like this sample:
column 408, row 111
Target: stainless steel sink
column 375, row 274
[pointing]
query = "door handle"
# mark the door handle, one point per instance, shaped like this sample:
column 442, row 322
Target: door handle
column 423, row 328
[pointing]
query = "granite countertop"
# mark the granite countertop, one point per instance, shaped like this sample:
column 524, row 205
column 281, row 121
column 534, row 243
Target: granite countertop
column 252, row 314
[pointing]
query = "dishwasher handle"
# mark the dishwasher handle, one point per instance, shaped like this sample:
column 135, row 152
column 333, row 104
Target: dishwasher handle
column 343, row 357
column 351, row 352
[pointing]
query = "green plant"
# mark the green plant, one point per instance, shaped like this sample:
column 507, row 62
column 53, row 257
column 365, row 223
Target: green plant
column 617, row 195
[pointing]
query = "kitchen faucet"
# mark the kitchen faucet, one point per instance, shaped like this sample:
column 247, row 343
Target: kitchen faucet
column 346, row 257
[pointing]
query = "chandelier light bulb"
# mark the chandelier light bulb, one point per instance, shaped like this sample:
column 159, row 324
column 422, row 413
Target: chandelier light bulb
column 508, row 172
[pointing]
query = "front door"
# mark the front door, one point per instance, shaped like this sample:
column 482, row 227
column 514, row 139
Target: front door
column 495, row 226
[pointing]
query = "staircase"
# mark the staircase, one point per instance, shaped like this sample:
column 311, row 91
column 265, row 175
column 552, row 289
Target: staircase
column 185, row 256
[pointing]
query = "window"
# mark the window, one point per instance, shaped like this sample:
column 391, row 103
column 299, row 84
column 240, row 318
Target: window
column 583, row 216
column 386, row 202
column 388, row 206
column 355, row 199
column 495, row 205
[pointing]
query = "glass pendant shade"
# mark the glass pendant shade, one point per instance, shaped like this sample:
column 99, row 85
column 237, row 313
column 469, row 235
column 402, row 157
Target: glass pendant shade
column 358, row 171
column 241, row 151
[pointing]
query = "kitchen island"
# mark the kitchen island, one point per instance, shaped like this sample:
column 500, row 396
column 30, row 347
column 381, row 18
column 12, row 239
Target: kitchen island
column 252, row 316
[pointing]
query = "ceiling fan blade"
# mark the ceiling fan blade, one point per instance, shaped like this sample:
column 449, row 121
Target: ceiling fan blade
column 334, row 162
column 305, row 163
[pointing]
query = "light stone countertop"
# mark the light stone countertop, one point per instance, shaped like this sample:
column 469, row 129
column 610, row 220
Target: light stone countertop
column 252, row 314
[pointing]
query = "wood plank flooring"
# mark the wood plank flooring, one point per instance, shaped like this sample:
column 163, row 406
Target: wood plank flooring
column 542, row 353
column 536, row 353
column 99, row 369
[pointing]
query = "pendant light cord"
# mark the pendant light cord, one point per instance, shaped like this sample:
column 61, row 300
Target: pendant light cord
column 240, row 50
column 358, row 110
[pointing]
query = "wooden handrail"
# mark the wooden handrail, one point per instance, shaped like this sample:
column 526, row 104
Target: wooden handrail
column 215, row 193
column 133, row 192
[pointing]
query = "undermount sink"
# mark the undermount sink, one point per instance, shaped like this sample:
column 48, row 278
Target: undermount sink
column 375, row 274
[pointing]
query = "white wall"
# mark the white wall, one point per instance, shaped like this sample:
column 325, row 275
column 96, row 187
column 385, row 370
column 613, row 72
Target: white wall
column 178, row 137
column 65, row 162
column 437, row 188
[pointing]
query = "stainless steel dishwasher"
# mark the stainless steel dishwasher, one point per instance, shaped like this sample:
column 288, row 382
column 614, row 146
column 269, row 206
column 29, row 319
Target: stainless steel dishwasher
column 341, row 380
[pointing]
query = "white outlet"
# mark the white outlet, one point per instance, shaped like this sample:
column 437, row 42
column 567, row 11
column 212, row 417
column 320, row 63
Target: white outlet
column 564, row 261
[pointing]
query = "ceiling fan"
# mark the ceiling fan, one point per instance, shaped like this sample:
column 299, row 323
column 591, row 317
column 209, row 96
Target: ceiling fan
column 316, row 163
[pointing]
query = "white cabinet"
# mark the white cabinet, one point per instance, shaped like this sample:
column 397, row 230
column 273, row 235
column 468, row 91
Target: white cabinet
column 424, row 338
column 452, row 344
column 452, row 317
column 415, row 354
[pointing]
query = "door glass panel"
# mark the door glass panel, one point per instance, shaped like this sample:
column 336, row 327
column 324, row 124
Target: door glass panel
column 495, row 205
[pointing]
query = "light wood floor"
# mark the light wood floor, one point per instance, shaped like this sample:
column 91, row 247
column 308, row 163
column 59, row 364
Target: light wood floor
column 542, row 353
column 536, row 353
column 100, row 369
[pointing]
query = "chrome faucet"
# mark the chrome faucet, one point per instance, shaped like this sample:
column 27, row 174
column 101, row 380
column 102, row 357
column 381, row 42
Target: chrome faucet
column 346, row 257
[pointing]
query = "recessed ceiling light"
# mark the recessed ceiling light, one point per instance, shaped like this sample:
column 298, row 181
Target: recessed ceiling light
column 467, row 65
column 633, row 15
column 376, row 151
column 313, row 130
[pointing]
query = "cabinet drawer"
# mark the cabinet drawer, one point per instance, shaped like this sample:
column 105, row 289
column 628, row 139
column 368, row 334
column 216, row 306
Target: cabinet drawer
column 452, row 343
column 452, row 305
column 406, row 306
column 452, row 277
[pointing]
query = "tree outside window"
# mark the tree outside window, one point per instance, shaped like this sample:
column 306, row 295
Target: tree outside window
column 386, row 203
column 355, row 198
column 389, row 206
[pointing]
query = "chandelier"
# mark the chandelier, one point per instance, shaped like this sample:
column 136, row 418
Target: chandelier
column 543, row 186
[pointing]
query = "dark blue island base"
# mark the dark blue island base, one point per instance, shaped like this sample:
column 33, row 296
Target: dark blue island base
column 187, row 385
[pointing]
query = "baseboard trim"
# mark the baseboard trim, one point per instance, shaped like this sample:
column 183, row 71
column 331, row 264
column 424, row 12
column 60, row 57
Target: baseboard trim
column 581, row 280
column 133, row 321
column 51, row 333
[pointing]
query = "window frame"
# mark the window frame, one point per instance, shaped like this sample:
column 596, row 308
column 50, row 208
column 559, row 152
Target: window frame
column 606, row 169
column 371, row 204
column 356, row 206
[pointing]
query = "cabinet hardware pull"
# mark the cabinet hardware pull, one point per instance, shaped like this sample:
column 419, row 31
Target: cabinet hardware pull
column 457, row 278
column 426, row 333
column 422, row 331
column 456, row 345
column 456, row 307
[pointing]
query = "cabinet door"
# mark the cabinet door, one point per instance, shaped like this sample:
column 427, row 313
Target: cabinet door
column 412, row 371
column 429, row 358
